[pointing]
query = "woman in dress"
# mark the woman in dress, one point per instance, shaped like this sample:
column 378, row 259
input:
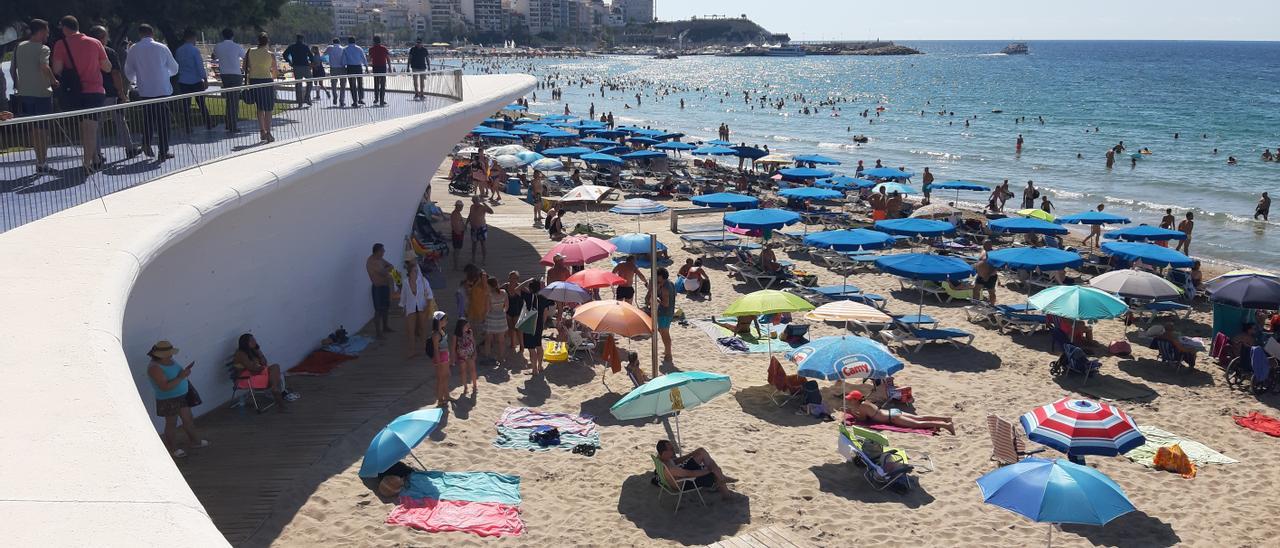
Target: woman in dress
column 463, row 348
column 169, row 381
column 415, row 298
column 438, row 353
column 495, row 321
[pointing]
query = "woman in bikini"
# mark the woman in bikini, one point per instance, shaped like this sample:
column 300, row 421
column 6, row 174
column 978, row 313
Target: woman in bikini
column 864, row 411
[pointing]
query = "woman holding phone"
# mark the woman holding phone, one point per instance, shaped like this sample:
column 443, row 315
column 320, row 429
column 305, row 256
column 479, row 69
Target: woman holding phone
column 169, row 380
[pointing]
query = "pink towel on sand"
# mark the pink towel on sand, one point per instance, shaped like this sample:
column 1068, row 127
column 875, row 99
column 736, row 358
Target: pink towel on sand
column 524, row 417
column 888, row 427
column 486, row 519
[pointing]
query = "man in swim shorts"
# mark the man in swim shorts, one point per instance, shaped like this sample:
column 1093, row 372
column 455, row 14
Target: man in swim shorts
column 867, row 412
column 986, row 276
column 479, row 228
column 698, row 465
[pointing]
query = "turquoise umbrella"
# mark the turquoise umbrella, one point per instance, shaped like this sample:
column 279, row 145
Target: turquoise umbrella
column 397, row 439
column 670, row 394
column 1078, row 302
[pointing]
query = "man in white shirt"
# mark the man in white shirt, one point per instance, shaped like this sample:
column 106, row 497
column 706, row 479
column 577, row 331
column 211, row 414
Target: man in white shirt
column 353, row 56
column 337, row 67
column 230, row 57
column 150, row 65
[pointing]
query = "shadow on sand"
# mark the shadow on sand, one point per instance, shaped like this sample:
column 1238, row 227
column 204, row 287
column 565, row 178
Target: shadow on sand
column 1130, row 530
column 844, row 479
column 724, row 515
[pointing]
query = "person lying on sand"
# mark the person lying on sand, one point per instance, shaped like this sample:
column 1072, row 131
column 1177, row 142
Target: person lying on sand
column 865, row 411
column 697, row 464
column 741, row 327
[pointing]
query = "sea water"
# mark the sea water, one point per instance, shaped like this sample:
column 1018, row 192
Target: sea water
column 1092, row 95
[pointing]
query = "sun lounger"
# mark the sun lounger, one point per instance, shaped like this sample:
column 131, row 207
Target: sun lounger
column 1006, row 446
column 752, row 273
column 1012, row 319
column 845, row 293
column 1074, row 360
column 1153, row 310
column 915, row 337
column 677, row 490
column 859, row 444
column 931, row 288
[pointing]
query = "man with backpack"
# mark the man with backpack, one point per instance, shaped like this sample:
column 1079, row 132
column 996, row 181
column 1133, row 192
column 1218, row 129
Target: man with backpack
column 79, row 62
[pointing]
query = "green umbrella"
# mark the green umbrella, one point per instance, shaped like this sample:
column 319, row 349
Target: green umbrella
column 767, row 301
column 669, row 395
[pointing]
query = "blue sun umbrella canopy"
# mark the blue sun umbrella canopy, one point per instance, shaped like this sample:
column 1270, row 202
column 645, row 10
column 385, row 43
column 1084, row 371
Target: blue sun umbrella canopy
column 1094, row 218
column 547, row 164
column 1055, row 491
column 798, row 173
column 750, row 153
column 528, row 156
column 959, row 185
column 629, row 129
column 1145, row 233
column 674, row 145
column 599, row 158
column 1078, row 302
column 597, row 141
column 638, row 206
column 1249, row 291
column 845, row 357
column 856, row 239
column 843, row 182
column 719, row 142
column 670, row 394
column 816, row 159
column 890, row 188
column 761, row 219
column 1025, row 225
column 606, row 133
column 515, row 107
column 635, row 243
column 572, row 152
column 643, row 155
column 714, row 150
column 644, row 140
column 1034, row 258
column 535, row 127
column 925, row 266
column 397, row 440
column 915, row 227
column 558, row 134
column 614, row 150
column 503, row 135
column 1147, row 253
column 480, row 130
column 886, row 173
column 811, row 193
column 726, row 199
column 557, row 118
column 497, row 121
column 668, row 136
column 582, row 124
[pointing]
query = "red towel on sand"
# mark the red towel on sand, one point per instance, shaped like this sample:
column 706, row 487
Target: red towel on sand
column 320, row 362
column 1262, row 423
column 487, row 519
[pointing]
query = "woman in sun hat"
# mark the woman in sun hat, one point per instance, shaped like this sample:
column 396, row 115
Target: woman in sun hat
column 169, row 380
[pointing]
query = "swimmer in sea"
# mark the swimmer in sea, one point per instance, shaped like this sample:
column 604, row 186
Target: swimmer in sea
column 1231, row 160
column 1264, row 207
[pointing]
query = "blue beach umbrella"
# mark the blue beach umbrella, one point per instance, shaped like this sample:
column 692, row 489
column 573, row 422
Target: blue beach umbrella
column 670, row 394
column 515, row 107
column 810, row 193
column 726, row 199
column 643, row 140
column 816, row 159
column 668, row 136
column 597, row 141
column 643, row 155
column 646, row 132
column 606, row 133
column 915, row 227
column 535, row 127
column 799, row 173
column 750, row 153
column 638, row 206
column 713, row 150
column 629, row 129
column 890, row 188
column 558, row 134
column 397, row 440
column 960, row 185
column 1252, row 291
column 634, row 243
column 582, row 125
column 925, row 266
column 497, row 121
column 1078, row 302
column 719, row 142
column 839, row 358
column 1055, row 491
column 480, row 130
column 1145, row 233
column 856, row 239
column 500, row 135
column 1094, row 218
column 1147, row 253
column 761, row 219
column 599, row 158
column 547, row 164
column 1025, row 225
column 528, row 156
column 614, row 150
column 674, row 145
column 557, row 118
column 886, row 173
column 571, row 152
column 1034, row 258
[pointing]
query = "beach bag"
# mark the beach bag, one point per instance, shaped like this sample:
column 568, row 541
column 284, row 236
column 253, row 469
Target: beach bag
column 555, row 352
column 1173, row 459
column 69, row 81
column 1120, row 348
column 545, row 436
column 193, row 397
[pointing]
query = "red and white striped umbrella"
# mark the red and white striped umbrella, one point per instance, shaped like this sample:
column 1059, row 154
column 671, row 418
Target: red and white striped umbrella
column 579, row 250
column 1082, row 427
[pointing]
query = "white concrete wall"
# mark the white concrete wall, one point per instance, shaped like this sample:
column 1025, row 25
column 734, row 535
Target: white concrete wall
column 271, row 242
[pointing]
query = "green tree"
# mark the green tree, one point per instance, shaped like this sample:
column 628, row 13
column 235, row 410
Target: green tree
column 169, row 17
column 314, row 24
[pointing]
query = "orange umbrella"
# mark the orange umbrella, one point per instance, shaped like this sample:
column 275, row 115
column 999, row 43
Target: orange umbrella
column 595, row 278
column 617, row 317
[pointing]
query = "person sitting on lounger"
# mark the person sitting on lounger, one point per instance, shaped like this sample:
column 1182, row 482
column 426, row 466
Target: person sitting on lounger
column 864, row 411
column 742, row 326
column 698, row 464
column 769, row 260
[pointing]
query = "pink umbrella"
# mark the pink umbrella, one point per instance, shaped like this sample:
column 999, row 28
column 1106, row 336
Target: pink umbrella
column 595, row 278
column 579, row 250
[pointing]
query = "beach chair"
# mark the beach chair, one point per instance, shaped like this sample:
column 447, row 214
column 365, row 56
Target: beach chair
column 1182, row 278
column 914, row 338
column 980, row 312
column 1006, row 446
column 752, row 273
column 931, row 288
column 871, row 450
column 579, row 343
column 957, row 293
column 1152, row 310
column 1074, row 360
column 1011, row 319
column 1170, row 355
column 665, row 485
column 248, row 389
column 785, row 387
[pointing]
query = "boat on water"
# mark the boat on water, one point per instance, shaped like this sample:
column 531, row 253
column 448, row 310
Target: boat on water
column 666, row 55
column 768, row 50
column 1016, row 48
column 785, row 51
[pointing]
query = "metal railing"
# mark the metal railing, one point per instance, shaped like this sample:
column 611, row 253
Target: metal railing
column 51, row 162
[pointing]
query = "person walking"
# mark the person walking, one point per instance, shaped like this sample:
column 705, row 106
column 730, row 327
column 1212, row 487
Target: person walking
column 419, row 62
column 438, row 352
column 298, row 55
column 80, row 61
column 354, row 59
column 260, row 67
column 117, row 93
column 1186, row 226
column 150, row 65
column 1029, row 195
column 33, row 83
column 417, row 301
column 174, row 396
column 380, row 61
column 230, row 58
column 337, row 67
column 192, row 78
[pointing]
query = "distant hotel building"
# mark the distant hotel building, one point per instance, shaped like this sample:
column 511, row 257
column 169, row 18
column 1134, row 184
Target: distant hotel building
column 444, row 18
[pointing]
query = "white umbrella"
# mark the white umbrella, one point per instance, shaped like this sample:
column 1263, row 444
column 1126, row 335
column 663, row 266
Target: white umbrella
column 933, row 210
column 507, row 161
column 466, row 151
column 1135, row 283
column 775, row 159
column 505, row 149
column 586, row 193
column 547, row 164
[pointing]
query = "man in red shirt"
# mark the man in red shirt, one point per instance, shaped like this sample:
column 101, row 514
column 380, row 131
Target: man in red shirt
column 379, row 59
column 88, row 59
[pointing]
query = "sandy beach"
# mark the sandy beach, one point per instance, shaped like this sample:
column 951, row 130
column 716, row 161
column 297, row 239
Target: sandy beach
column 791, row 477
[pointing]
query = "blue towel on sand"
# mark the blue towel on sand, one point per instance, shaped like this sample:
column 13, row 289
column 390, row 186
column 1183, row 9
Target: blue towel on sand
column 464, row 486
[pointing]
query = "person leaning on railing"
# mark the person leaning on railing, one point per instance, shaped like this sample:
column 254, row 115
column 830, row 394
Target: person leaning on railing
column 260, row 66
column 192, row 78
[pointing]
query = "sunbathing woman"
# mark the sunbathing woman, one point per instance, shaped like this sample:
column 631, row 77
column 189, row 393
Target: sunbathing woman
column 741, row 327
column 865, row 411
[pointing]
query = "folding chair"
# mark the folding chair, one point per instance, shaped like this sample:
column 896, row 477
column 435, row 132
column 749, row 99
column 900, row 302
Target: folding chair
column 1073, row 359
column 783, row 385
column 853, row 444
column 681, row 484
column 1006, row 446
column 249, row 388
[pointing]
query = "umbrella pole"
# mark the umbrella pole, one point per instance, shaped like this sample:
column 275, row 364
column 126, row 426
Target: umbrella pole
column 1050, row 543
column 653, row 302
column 415, row 458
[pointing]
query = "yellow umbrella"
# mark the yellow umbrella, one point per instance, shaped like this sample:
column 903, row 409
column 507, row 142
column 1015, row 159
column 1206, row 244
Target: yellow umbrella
column 617, row 317
column 767, row 301
column 847, row 311
column 1037, row 214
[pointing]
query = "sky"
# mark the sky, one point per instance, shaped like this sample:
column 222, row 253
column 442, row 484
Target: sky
column 997, row 19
